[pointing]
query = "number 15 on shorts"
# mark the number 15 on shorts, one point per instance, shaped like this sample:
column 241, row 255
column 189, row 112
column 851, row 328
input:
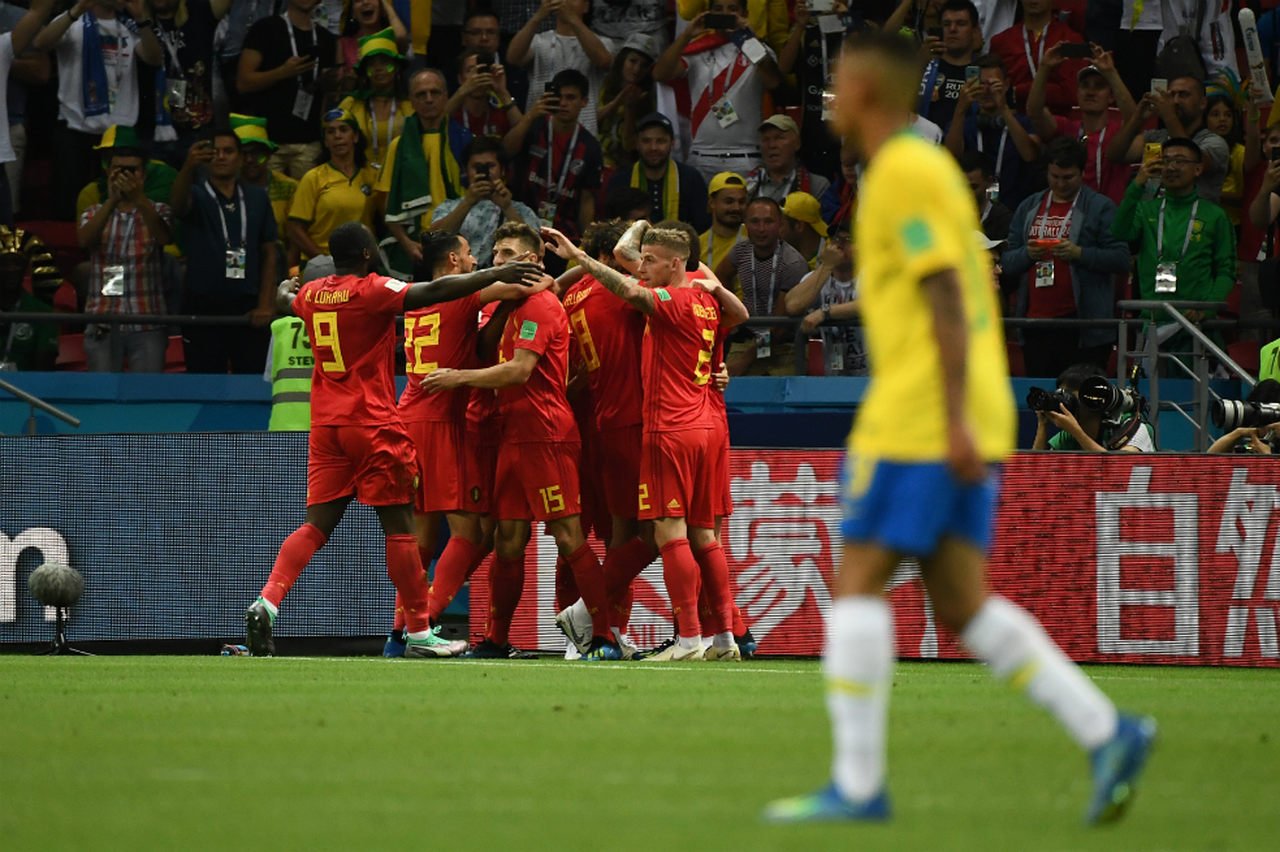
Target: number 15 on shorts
column 552, row 499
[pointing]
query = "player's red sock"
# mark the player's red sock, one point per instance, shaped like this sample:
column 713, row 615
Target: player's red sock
column 295, row 552
column 624, row 610
column 506, row 582
column 397, row 624
column 680, row 572
column 739, row 626
column 452, row 569
column 715, row 579
column 566, row 585
column 589, row 576
column 404, row 567
column 622, row 565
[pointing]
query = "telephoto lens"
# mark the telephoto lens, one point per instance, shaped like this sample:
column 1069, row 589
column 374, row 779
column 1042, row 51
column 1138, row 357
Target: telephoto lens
column 1231, row 414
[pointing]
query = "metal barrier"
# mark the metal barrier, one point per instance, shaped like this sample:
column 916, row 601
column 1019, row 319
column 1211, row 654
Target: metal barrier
column 37, row 403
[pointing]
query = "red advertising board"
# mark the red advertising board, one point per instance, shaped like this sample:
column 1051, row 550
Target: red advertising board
column 1124, row 558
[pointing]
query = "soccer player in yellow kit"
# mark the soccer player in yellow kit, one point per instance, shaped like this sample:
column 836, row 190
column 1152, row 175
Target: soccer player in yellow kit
column 921, row 478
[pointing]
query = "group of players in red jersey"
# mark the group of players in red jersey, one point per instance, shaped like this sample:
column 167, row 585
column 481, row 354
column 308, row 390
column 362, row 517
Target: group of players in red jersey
column 490, row 449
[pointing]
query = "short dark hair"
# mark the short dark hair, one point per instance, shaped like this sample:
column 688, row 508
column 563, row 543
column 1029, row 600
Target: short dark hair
column 519, row 231
column 1181, row 142
column 1066, row 152
column 221, row 132
column 619, row 204
column 961, row 6
column 484, row 145
column 348, row 242
column 991, row 60
column 974, row 160
column 481, row 12
column 695, row 241
column 600, row 237
column 436, row 246
column 1076, row 375
column 764, row 199
column 1267, row 390
column 467, row 53
column 574, row 79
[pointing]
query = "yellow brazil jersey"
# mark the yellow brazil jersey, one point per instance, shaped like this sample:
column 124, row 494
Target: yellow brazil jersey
column 917, row 217
column 715, row 250
column 377, row 144
column 326, row 198
column 280, row 189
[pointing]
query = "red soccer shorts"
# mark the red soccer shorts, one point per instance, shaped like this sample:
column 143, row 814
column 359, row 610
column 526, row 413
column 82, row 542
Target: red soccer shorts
column 375, row 464
column 722, row 479
column 537, row 481
column 677, row 477
column 445, row 484
column 620, row 468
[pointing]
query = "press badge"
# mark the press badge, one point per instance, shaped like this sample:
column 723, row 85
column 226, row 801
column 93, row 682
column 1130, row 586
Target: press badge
column 830, row 24
column 302, row 102
column 763, row 349
column 726, row 115
column 1044, row 273
column 993, row 192
column 547, row 213
column 175, row 92
column 113, row 281
column 1166, row 277
column 235, row 263
column 754, row 51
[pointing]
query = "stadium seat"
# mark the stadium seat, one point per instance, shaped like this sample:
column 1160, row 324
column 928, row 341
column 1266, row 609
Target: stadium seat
column 175, row 356
column 1017, row 366
column 71, row 352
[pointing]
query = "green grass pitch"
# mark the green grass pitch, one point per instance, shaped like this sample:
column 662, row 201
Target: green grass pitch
column 221, row 753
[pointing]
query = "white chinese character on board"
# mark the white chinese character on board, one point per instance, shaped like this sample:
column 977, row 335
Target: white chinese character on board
column 1246, row 517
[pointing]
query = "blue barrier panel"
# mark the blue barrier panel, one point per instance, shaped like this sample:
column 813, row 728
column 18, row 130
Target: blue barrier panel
column 174, row 535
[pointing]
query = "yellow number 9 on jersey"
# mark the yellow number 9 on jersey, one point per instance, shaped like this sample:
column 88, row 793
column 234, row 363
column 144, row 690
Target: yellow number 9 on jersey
column 325, row 337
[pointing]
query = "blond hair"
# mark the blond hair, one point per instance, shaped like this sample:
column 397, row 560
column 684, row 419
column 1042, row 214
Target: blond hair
column 677, row 242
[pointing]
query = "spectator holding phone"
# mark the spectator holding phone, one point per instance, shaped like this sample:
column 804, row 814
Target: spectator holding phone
column 571, row 45
column 1023, row 46
column 1098, row 89
column 626, row 96
column 483, row 104
column 486, row 204
column 985, row 121
column 953, row 48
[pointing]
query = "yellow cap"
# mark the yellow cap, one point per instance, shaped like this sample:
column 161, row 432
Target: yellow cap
column 803, row 207
column 251, row 130
column 726, row 180
column 381, row 43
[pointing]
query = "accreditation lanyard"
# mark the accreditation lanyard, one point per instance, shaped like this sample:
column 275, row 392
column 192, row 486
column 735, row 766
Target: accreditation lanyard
column 1186, row 242
column 293, row 47
column 222, row 216
column 122, row 246
column 391, row 124
column 773, row 282
column 1042, row 216
column 1097, row 153
column 568, row 159
column 1033, row 65
column 1004, row 137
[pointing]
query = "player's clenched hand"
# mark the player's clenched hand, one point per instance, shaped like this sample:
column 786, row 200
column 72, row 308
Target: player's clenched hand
column 442, row 379
column 720, row 378
column 962, row 454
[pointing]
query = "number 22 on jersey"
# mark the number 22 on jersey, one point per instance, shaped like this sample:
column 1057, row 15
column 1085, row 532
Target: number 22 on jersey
column 419, row 333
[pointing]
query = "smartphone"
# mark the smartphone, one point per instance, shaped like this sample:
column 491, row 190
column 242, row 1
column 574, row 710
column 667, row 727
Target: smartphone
column 1152, row 152
column 482, row 169
column 1072, row 50
column 971, row 73
column 1275, row 154
column 487, row 59
column 553, row 91
column 1159, row 84
column 934, row 32
column 716, row 21
column 821, row 7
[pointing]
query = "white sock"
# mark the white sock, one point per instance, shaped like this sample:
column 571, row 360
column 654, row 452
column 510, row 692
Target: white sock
column 1009, row 639
column 723, row 640
column 858, row 666
column 690, row 642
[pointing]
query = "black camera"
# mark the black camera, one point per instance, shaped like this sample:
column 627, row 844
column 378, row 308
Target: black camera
column 1231, row 414
column 1039, row 399
column 1098, row 394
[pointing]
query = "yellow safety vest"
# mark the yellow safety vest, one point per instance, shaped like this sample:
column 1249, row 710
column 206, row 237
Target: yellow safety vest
column 291, row 363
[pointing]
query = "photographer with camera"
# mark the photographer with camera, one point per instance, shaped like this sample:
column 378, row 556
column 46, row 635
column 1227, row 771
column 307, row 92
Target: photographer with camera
column 1251, row 425
column 486, row 203
column 1092, row 414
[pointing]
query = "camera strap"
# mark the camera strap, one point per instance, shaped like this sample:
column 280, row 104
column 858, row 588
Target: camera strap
column 1125, row 435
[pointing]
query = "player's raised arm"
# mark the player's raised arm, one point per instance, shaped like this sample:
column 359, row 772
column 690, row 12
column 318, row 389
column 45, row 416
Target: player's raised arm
column 946, row 302
column 625, row 288
column 450, row 287
column 286, row 293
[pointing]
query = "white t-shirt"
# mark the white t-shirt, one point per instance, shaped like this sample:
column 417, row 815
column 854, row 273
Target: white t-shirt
column 926, row 129
column 746, row 95
column 620, row 20
column 552, row 53
column 1217, row 34
column 6, row 64
column 1150, row 18
column 118, row 49
column 844, row 352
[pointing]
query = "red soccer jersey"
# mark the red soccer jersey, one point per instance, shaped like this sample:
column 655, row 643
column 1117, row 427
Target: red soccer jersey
column 610, row 335
column 352, row 326
column 443, row 335
column 483, row 406
column 538, row 410
column 676, row 368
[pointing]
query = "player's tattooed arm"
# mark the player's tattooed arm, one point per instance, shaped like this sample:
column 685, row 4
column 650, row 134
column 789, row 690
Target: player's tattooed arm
column 622, row 286
column 733, row 312
column 450, row 287
column 286, row 293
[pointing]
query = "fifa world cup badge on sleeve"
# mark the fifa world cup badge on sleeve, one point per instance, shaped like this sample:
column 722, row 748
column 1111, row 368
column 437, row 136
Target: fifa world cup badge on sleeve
column 528, row 330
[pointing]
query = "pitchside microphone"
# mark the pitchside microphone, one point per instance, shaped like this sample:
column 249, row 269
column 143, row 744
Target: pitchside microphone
column 61, row 587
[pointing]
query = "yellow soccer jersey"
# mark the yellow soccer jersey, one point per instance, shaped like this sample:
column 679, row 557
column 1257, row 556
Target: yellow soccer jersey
column 916, row 217
column 326, row 198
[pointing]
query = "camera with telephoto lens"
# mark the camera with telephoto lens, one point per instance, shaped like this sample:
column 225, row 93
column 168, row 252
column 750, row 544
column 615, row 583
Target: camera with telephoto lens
column 1231, row 414
column 1039, row 399
column 1098, row 394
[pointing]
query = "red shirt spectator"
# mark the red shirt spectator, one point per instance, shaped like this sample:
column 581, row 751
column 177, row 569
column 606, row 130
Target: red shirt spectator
column 1022, row 48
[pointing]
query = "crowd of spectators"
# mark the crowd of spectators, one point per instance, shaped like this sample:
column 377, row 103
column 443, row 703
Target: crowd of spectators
column 201, row 149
